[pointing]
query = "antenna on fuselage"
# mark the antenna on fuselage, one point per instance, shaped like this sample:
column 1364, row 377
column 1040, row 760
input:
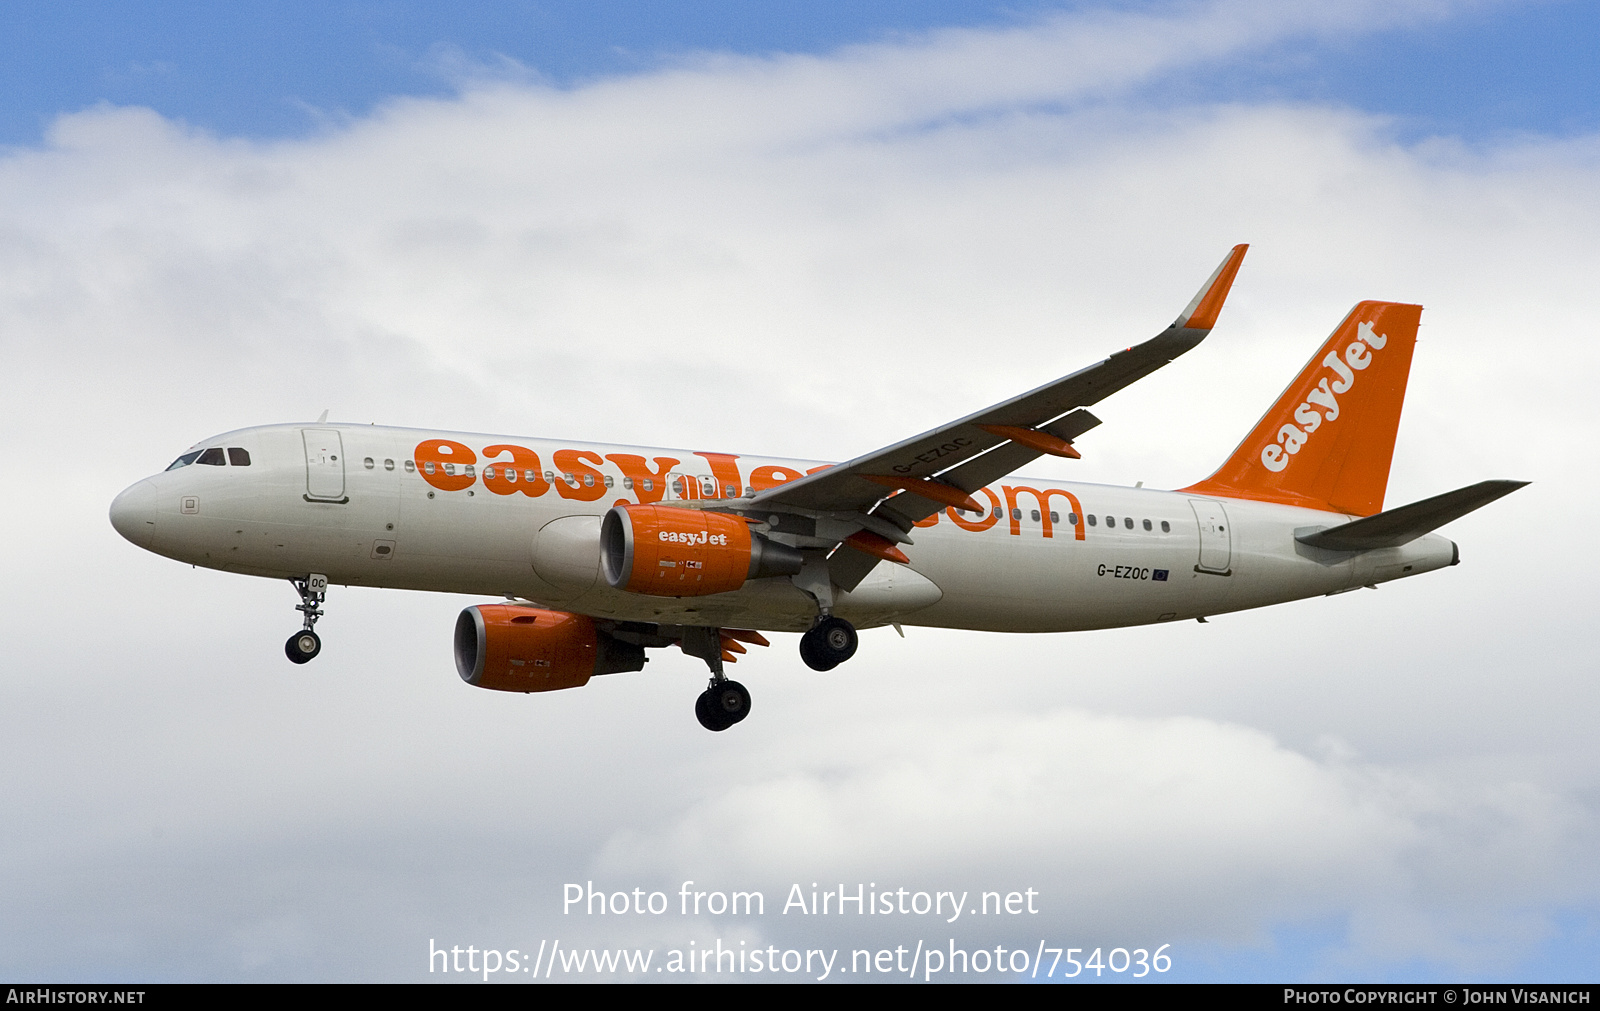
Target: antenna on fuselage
column 324, row 416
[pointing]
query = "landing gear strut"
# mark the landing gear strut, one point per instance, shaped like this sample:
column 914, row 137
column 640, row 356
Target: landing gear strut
column 830, row 643
column 724, row 702
column 305, row 644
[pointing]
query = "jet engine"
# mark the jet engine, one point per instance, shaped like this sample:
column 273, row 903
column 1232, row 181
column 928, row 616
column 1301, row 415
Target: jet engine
column 669, row 552
column 510, row 648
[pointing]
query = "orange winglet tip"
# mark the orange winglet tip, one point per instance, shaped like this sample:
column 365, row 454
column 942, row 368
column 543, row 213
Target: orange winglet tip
column 937, row 491
column 1044, row 442
column 872, row 544
column 1202, row 313
column 746, row 635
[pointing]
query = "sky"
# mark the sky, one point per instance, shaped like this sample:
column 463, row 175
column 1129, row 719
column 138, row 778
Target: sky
column 805, row 231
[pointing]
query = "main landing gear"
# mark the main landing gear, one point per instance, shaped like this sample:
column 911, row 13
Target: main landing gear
column 830, row 643
column 724, row 702
column 305, row 644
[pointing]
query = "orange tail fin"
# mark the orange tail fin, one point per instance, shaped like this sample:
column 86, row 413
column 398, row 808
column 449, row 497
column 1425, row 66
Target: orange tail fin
column 1327, row 442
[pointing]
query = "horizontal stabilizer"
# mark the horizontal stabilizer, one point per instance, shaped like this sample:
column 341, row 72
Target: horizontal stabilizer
column 1395, row 527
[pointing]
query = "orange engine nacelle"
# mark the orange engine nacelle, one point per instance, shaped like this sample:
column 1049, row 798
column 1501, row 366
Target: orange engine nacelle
column 525, row 649
column 669, row 552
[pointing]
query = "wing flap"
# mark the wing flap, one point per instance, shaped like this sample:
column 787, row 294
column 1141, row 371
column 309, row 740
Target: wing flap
column 1006, row 458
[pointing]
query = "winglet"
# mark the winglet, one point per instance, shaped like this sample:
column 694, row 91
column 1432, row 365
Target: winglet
column 1202, row 313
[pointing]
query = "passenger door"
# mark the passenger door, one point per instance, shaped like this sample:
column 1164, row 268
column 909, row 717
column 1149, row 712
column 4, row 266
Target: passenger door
column 1216, row 542
column 324, row 465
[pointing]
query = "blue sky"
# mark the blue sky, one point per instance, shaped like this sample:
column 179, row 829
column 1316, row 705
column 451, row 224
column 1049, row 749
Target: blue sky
column 283, row 69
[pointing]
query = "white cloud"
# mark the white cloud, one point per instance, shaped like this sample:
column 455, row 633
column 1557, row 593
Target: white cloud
column 1136, row 831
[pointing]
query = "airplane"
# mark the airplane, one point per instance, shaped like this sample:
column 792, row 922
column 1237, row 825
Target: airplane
column 602, row 552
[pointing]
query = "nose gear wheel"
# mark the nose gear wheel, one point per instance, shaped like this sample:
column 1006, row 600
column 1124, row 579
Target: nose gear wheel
column 303, row 646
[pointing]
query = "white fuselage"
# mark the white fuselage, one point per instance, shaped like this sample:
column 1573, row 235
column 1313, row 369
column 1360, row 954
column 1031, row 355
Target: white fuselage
column 354, row 503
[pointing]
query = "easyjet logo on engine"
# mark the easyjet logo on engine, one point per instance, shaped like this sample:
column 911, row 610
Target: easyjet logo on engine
column 692, row 537
column 1322, row 403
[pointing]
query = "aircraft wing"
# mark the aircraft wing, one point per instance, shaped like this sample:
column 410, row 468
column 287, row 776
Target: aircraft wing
column 944, row 466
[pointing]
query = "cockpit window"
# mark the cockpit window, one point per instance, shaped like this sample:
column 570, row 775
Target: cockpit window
column 214, row 457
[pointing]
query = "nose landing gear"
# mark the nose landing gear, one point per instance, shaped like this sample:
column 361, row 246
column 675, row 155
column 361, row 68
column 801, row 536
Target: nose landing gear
column 305, row 644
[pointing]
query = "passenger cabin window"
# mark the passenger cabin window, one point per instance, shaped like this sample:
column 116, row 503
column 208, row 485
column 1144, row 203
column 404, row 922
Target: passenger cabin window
column 1147, row 524
column 238, row 457
column 411, row 465
column 1091, row 520
column 1072, row 519
column 1127, row 521
column 388, row 465
column 213, row 457
column 1055, row 517
column 184, row 460
column 369, row 463
column 1166, row 527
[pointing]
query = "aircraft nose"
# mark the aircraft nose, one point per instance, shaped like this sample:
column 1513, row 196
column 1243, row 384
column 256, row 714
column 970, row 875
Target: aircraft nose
column 133, row 513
